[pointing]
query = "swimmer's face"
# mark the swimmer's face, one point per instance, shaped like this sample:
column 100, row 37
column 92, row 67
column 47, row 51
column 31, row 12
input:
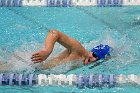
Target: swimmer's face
column 90, row 58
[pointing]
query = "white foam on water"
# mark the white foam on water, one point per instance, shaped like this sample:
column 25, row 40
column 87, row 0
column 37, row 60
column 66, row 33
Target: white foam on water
column 20, row 59
column 18, row 26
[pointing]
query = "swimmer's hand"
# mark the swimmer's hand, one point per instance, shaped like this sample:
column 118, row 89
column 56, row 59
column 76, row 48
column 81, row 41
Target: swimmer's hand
column 40, row 56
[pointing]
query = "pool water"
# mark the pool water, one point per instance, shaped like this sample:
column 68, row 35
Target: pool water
column 23, row 30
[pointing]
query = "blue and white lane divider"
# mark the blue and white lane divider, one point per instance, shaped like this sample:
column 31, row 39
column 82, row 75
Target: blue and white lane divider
column 16, row 3
column 80, row 81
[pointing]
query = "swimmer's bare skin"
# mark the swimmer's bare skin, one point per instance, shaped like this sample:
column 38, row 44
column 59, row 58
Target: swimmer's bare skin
column 74, row 50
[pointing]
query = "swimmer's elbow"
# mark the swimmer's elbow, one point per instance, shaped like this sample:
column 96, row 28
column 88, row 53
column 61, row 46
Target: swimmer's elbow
column 54, row 31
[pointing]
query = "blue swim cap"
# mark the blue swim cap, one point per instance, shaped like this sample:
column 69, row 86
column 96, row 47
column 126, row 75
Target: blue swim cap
column 101, row 51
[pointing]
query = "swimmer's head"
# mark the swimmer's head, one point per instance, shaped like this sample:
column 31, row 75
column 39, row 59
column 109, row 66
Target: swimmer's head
column 101, row 51
column 97, row 53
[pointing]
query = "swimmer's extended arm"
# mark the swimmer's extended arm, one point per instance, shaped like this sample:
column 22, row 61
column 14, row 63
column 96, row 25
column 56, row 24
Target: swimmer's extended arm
column 49, row 44
column 66, row 41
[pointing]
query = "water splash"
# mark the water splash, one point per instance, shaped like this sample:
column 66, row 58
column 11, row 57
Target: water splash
column 20, row 59
column 124, row 53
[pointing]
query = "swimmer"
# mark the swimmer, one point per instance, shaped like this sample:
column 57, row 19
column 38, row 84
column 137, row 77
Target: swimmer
column 74, row 51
